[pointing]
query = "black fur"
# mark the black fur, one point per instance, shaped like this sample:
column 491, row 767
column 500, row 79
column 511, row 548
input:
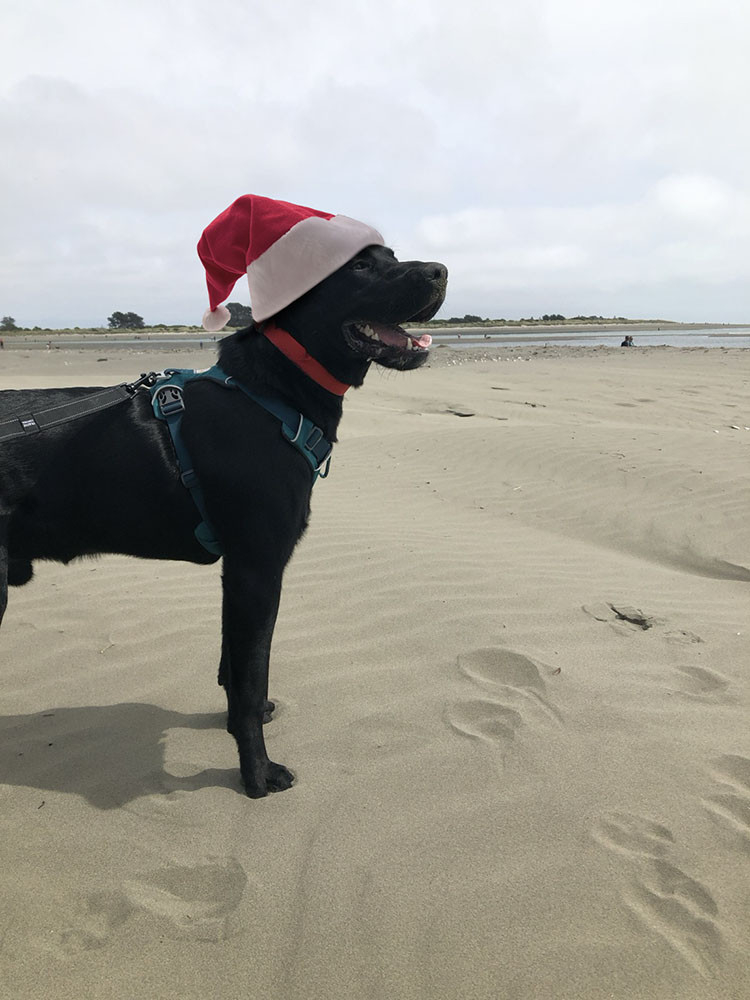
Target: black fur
column 109, row 482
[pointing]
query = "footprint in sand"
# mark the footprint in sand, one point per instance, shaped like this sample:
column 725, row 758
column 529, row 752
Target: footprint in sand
column 701, row 684
column 633, row 835
column 681, row 910
column 485, row 720
column 495, row 665
column 730, row 806
column 668, row 901
column 515, row 694
column 196, row 902
column 512, row 675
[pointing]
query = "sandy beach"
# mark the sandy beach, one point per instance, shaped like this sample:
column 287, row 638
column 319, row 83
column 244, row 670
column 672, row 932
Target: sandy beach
column 513, row 678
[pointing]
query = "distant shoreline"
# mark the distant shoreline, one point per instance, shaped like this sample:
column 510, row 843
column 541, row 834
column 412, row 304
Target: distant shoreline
column 630, row 326
column 463, row 339
column 438, row 328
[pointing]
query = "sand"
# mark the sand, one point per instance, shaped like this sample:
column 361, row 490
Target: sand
column 513, row 679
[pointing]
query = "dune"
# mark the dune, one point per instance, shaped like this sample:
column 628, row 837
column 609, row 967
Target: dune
column 512, row 675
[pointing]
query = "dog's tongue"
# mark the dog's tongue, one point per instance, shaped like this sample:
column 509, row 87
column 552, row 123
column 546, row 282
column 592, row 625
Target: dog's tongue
column 395, row 336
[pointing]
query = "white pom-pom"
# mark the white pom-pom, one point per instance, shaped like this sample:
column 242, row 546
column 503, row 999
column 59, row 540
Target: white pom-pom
column 216, row 319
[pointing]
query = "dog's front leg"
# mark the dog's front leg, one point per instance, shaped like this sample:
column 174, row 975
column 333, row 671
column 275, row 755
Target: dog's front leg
column 223, row 679
column 3, row 565
column 250, row 603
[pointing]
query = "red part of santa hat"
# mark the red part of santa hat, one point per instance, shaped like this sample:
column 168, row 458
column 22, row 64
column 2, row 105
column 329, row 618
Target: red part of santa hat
column 284, row 249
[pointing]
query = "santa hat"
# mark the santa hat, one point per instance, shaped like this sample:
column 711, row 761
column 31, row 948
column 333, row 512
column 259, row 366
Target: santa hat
column 284, row 249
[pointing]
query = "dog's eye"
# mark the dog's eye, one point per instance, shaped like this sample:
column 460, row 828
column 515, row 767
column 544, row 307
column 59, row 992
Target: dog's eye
column 359, row 265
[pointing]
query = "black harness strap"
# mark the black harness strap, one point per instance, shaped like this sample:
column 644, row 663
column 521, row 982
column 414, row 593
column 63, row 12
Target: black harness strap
column 33, row 423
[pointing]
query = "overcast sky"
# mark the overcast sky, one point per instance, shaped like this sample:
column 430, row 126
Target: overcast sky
column 573, row 156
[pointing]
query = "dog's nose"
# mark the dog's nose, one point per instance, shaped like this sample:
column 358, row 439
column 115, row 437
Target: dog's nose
column 437, row 272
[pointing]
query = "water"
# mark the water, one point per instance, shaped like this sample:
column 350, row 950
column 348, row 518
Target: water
column 470, row 337
column 155, row 342
column 499, row 336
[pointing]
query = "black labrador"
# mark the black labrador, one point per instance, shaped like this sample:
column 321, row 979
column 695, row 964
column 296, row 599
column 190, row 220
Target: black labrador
column 110, row 482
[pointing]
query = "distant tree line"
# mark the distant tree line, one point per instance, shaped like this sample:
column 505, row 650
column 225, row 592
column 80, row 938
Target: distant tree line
column 241, row 315
column 125, row 321
column 545, row 318
column 559, row 318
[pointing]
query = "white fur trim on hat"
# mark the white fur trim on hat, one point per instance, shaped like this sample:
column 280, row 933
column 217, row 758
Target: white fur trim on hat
column 216, row 320
column 309, row 252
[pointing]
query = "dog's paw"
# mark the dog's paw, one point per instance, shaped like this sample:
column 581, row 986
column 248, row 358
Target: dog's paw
column 273, row 778
column 279, row 778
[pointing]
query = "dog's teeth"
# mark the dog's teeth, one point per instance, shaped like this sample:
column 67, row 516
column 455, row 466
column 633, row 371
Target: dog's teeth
column 369, row 332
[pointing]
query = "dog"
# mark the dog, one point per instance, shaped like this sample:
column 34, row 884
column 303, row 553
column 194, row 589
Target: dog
column 109, row 481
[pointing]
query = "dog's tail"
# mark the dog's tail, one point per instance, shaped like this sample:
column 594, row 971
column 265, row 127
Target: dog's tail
column 20, row 571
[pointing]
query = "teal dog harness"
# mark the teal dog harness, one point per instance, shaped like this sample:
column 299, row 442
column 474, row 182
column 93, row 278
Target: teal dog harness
column 167, row 399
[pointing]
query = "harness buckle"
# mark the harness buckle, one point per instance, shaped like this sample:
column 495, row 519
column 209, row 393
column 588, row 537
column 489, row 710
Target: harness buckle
column 147, row 379
column 313, row 438
column 189, row 479
column 315, row 447
column 321, row 455
column 169, row 398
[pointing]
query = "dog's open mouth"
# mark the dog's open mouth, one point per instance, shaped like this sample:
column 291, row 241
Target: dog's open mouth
column 372, row 339
column 387, row 343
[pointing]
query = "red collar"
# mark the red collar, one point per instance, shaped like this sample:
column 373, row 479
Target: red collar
column 297, row 354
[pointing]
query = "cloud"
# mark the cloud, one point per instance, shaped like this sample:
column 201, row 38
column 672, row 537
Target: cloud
column 697, row 199
column 683, row 231
column 577, row 151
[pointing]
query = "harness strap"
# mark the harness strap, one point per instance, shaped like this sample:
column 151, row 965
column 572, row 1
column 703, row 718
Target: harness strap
column 169, row 405
column 306, row 436
column 299, row 430
column 33, row 423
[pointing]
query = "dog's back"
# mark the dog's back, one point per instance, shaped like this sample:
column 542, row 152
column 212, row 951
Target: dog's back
column 23, row 458
column 90, row 485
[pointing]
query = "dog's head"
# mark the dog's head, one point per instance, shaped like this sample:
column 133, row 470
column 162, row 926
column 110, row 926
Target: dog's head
column 387, row 293
column 355, row 316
